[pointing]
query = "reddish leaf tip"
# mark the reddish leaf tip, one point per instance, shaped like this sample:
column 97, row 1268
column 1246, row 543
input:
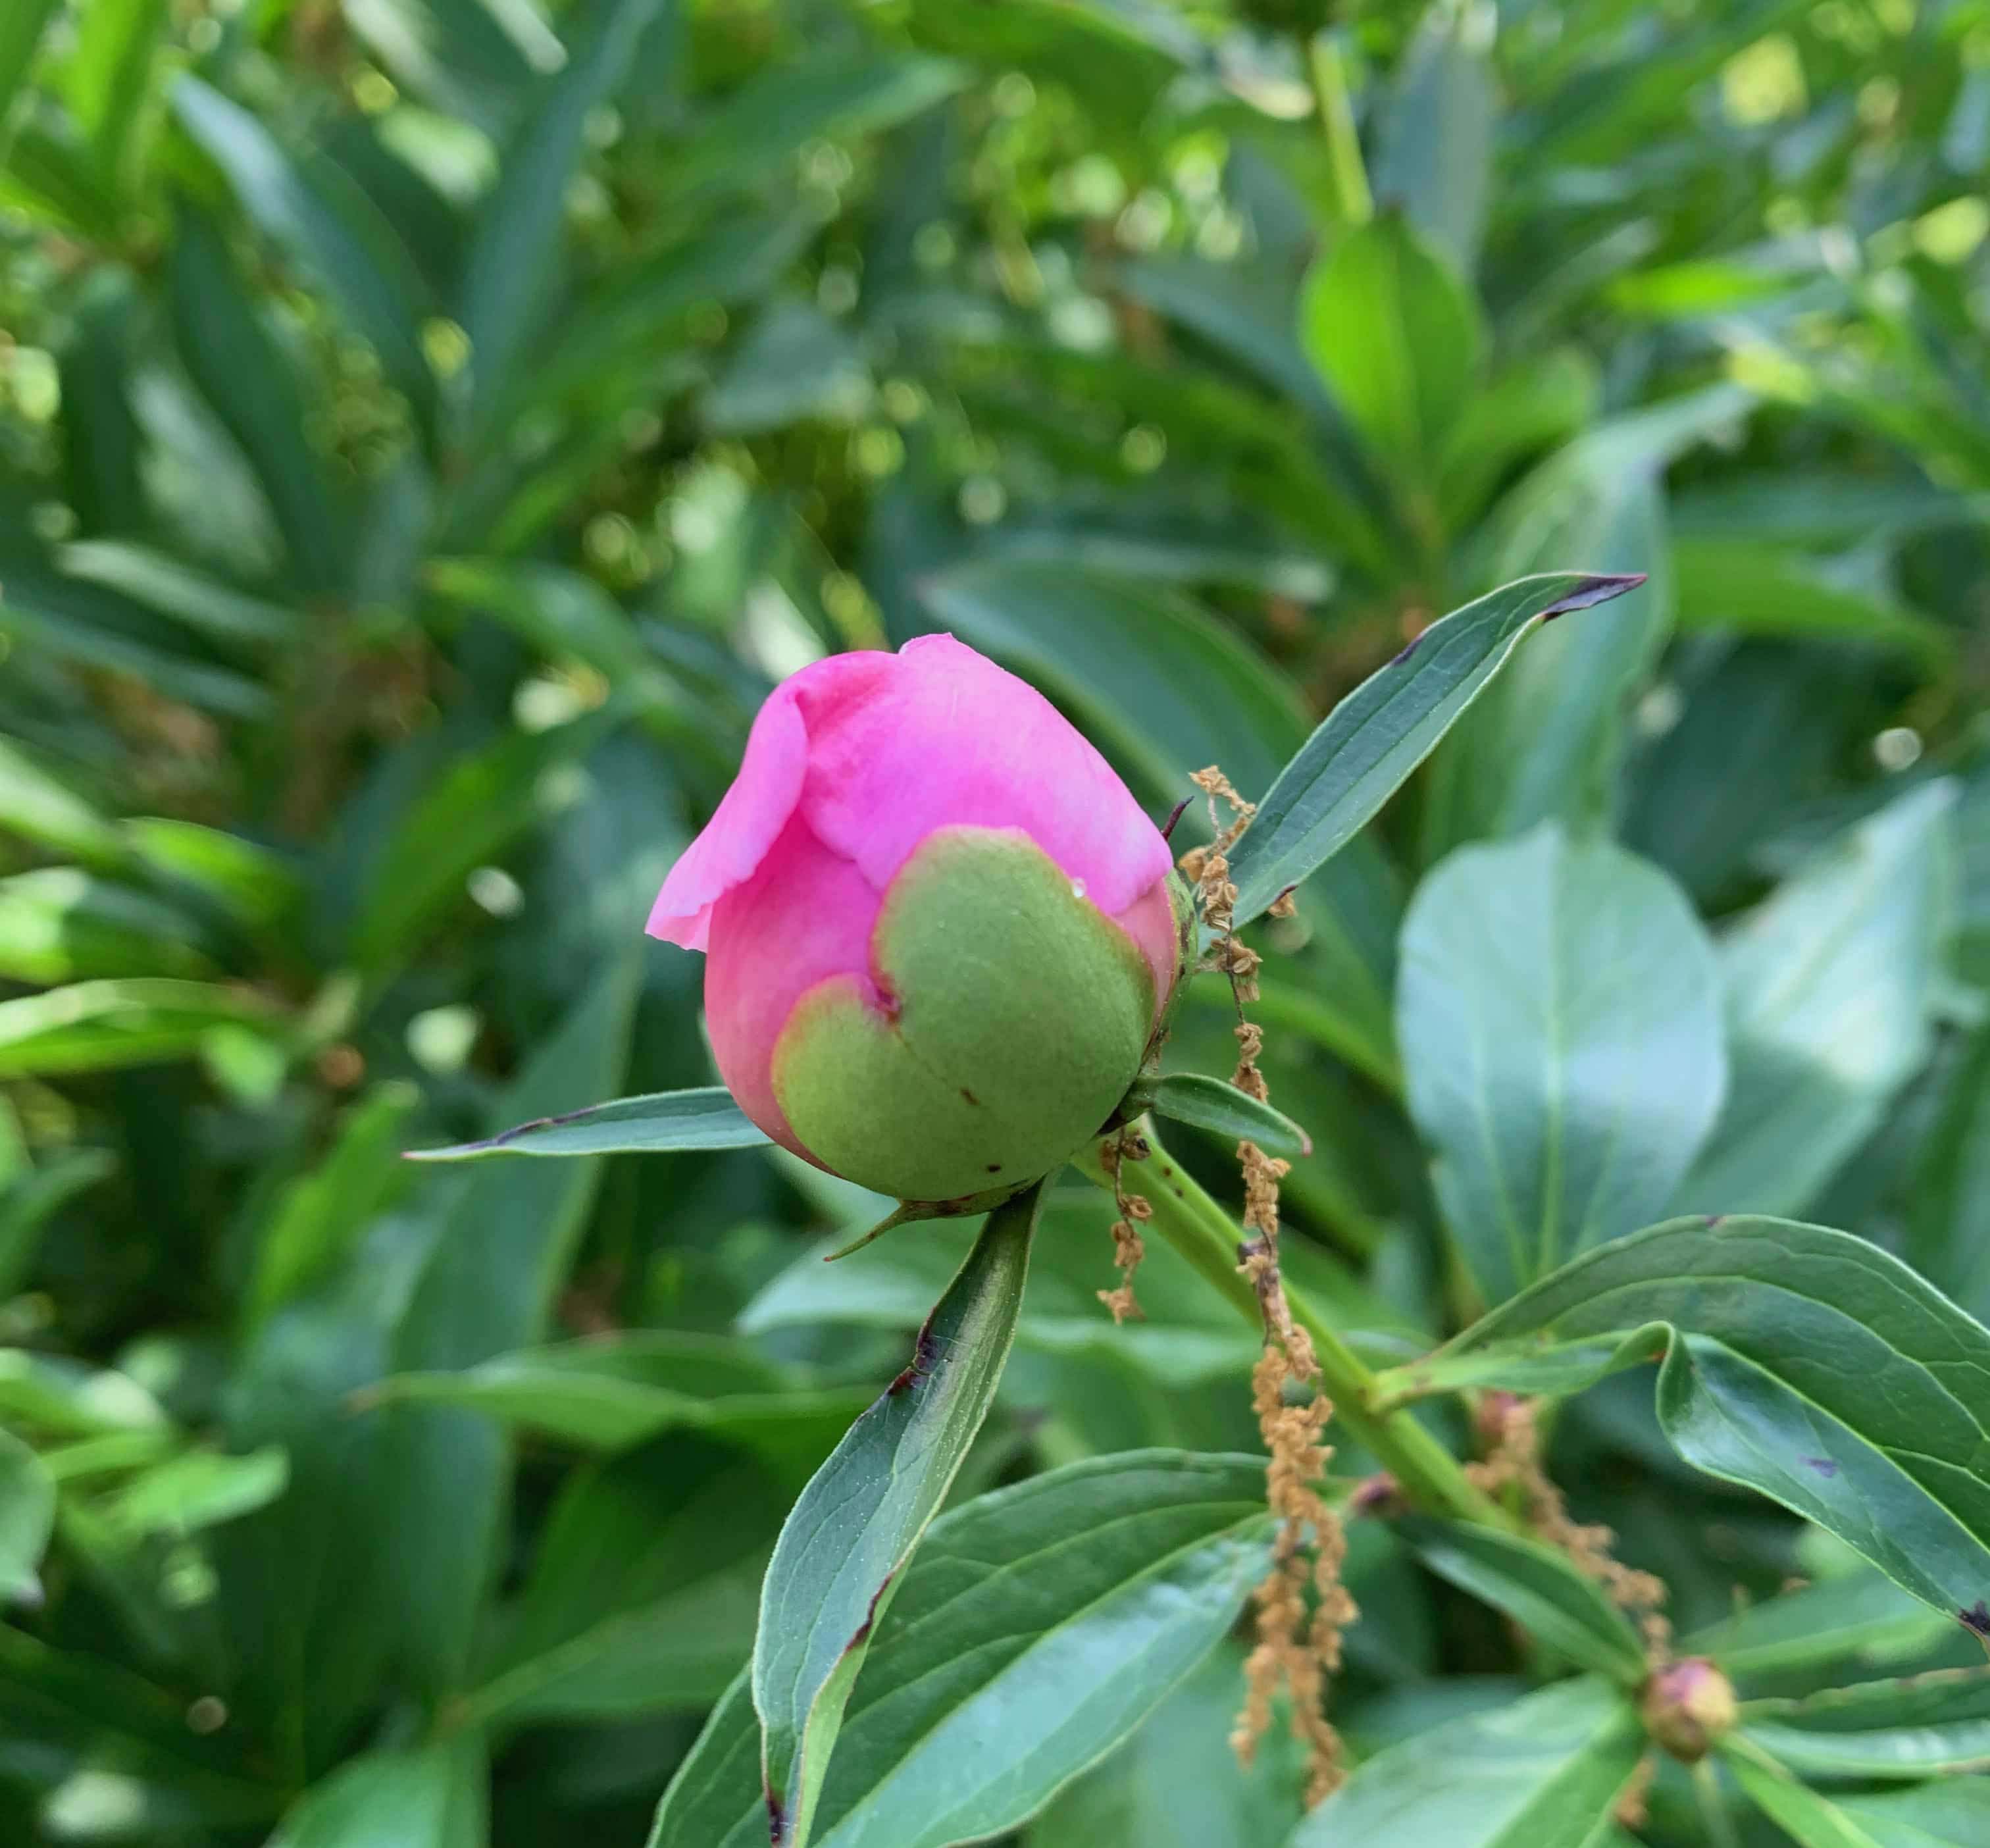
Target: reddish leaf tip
column 1590, row 591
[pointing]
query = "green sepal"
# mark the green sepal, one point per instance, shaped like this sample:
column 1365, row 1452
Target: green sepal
column 1020, row 1015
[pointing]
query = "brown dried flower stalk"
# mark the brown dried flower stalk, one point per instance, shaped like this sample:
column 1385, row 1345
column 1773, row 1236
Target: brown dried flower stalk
column 1292, row 1649
column 1216, row 897
column 1296, row 1648
column 1632, row 1809
column 1128, row 1247
column 1514, row 1461
column 1258, row 1257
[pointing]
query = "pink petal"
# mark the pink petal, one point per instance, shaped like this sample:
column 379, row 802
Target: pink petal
column 947, row 738
column 1150, row 921
column 749, row 819
column 805, row 915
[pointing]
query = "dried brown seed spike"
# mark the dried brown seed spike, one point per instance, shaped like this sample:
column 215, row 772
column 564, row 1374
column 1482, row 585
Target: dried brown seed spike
column 1128, row 1247
column 1508, row 1425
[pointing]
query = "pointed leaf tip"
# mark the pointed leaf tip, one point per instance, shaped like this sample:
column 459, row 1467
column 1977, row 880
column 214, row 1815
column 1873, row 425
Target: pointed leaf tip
column 1590, row 591
column 662, row 1122
column 1367, row 746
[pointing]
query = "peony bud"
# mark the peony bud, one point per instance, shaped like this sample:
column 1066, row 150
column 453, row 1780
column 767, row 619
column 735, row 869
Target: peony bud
column 940, row 934
column 1687, row 1705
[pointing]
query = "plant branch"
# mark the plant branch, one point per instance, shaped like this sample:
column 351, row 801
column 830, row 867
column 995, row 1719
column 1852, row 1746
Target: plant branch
column 1326, row 63
column 1199, row 1229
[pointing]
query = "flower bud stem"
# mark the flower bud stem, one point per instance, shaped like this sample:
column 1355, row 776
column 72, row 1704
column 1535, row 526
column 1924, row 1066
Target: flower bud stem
column 1201, row 1231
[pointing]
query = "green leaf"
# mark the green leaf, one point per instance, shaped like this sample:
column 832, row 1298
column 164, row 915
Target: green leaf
column 767, row 120
column 197, row 1489
column 1550, row 1369
column 94, row 629
column 101, row 1026
column 1542, row 1772
column 320, row 1217
column 1548, row 740
column 664, row 1122
column 103, row 448
column 105, row 76
column 1165, row 541
column 1751, row 587
column 794, row 365
column 254, row 389
column 1811, row 1820
column 252, row 883
column 976, row 1703
column 861, row 1518
column 1397, row 337
column 1803, row 1362
column 325, row 223
column 1564, row 1103
column 1948, row 1227
column 609, row 1392
column 40, row 807
column 1170, row 1544
column 1830, row 983
column 462, row 59
column 432, row 1797
column 1434, row 157
column 202, row 604
column 1336, row 988
column 1861, row 1615
column 49, row 171
column 1177, row 1782
column 105, row 1710
column 63, row 1398
column 561, row 613
column 1532, row 406
column 1245, row 315
column 642, row 1590
column 1538, row 1588
column 1211, row 1104
column 31, row 1201
column 27, row 1518
column 1369, row 744
column 500, row 1256
column 1191, row 1315
column 714, row 1799
column 1192, row 1334
column 513, row 264
column 21, row 26
column 467, row 817
column 1924, row 1726
column 615, row 332
column 58, row 924
column 1951, row 1815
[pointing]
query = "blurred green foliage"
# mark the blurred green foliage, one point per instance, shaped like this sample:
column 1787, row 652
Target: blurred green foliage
column 427, row 429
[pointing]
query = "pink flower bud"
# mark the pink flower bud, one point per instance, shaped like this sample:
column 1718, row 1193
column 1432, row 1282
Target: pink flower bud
column 940, row 934
column 1687, row 1706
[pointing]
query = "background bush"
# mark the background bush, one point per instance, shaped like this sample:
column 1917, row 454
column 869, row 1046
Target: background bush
column 427, row 428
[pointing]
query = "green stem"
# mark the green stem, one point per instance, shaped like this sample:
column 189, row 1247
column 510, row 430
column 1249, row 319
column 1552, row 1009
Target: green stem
column 1712, row 1806
column 1202, row 1232
column 1327, row 65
